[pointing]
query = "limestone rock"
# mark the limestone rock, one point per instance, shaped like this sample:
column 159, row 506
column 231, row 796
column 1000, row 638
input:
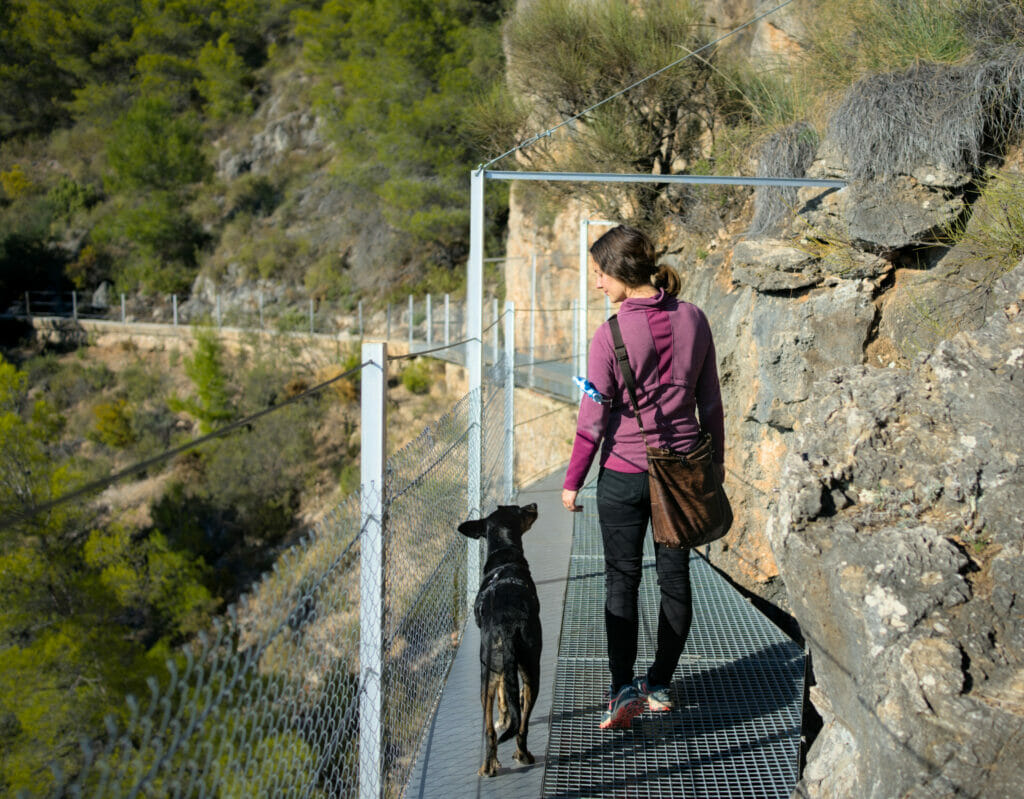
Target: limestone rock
column 298, row 130
column 797, row 342
column 769, row 265
column 898, row 535
column 101, row 297
column 880, row 215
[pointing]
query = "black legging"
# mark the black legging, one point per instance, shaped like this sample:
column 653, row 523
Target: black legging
column 624, row 510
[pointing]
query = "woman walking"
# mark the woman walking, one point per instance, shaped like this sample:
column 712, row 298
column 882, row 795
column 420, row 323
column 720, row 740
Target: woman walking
column 672, row 356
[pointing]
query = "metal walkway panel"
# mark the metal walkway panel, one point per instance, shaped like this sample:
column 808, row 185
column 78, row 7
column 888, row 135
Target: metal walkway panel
column 738, row 693
column 452, row 748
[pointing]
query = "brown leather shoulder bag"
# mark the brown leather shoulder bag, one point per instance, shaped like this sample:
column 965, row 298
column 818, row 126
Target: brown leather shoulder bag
column 689, row 507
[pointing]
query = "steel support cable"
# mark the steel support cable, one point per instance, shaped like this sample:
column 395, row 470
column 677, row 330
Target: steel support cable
column 537, row 137
column 541, row 416
column 96, row 485
column 443, row 347
column 569, row 357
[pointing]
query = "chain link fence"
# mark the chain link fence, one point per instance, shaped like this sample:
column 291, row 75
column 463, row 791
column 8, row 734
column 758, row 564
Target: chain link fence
column 268, row 704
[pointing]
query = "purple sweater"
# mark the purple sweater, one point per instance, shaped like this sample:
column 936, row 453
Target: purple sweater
column 673, row 359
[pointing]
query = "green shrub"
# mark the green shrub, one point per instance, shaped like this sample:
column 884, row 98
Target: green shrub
column 69, row 197
column 417, row 378
column 569, row 57
column 113, row 424
column 71, row 382
column 225, row 81
column 852, row 38
column 996, row 228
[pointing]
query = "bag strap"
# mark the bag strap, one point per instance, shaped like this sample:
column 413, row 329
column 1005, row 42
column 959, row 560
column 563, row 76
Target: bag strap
column 627, row 371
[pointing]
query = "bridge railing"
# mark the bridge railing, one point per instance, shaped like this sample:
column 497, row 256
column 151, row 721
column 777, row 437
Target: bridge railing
column 269, row 702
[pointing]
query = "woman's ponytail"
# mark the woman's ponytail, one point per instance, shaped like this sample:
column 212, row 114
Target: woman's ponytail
column 667, row 279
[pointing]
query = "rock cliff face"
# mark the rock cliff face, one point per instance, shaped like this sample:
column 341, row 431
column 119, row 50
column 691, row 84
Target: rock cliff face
column 872, row 392
column 898, row 534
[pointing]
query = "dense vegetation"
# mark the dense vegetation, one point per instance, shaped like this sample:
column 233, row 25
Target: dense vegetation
column 97, row 594
column 112, row 115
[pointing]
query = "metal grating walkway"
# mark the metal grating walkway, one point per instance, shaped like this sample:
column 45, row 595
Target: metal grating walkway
column 738, row 690
column 738, row 693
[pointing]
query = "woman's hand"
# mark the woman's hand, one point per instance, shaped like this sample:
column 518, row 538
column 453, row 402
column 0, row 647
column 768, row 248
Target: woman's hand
column 569, row 501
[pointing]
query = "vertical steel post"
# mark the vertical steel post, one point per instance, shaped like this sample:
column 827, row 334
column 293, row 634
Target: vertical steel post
column 430, row 322
column 474, row 366
column 495, row 345
column 510, row 402
column 447, row 319
column 371, row 568
column 576, row 393
column 174, row 306
column 124, row 316
column 533, row 315
column 410, row 323
column 74, row 305
column 581, row 320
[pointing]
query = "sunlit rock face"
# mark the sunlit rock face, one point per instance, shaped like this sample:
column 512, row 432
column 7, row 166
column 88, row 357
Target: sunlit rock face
column 898, row 533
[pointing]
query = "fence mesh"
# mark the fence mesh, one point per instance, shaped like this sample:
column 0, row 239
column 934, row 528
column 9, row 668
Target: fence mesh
column 268, row 703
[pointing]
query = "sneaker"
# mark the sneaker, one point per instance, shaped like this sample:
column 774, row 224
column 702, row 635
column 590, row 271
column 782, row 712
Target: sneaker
column 622, row 708
column 658, row 696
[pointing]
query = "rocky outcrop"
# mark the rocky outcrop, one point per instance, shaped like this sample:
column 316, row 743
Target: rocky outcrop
column 898, row 533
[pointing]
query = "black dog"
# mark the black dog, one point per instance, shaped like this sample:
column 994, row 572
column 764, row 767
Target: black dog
column 508, row 614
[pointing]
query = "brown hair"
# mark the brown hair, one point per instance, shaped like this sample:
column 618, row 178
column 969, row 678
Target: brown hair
column 627, row 254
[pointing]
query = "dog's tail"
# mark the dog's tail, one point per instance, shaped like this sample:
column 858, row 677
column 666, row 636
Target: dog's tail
column 510, row 680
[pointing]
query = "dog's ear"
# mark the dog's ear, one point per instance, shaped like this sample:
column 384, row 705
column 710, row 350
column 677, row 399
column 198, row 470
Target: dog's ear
column 474, row 528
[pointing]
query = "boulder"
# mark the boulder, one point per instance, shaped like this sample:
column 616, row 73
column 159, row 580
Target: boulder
column 897, row 533
column 878, row 215
column 771, row 265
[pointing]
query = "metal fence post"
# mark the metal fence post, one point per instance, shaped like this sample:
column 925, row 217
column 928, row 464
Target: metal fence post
column 510, row 401
column 495, row 346
column 410, row 322
column 174, row 306
column 430, row 322
column 124, row 316
column 474, row 367
column 576, row 393
column 371, row 568
column 531, row 357
column 74, row 305
column 447, row 319
column 580, row 350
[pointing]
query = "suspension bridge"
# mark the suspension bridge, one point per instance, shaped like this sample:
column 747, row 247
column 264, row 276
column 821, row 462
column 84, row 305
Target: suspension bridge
column 297, row 692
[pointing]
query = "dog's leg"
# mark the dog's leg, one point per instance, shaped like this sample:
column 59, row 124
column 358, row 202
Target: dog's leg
column 488, row 688
column 531, row 682
column 503, row 720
